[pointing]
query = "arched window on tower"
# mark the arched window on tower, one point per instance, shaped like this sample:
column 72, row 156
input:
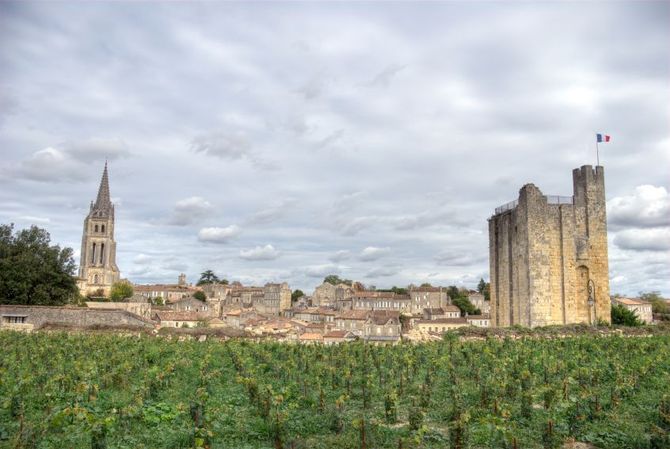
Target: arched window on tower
column 102, row 228
column 95, row 279
column 93, row 255
column 96, row 228
column 102, row 253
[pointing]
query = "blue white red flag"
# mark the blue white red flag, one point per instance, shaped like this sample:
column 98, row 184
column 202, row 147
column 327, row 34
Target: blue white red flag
column 602, row 138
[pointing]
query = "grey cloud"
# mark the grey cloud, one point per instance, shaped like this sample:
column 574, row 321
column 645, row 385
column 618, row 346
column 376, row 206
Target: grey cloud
column 341, row 255
column 384, row 77
column 330, row 139
column 142, row 259
column 321, row 271
column 96, row 150
column 225, row 145
column 655, row 239
column 273, row 212
column 382, row 272
column 189, row 210
column 267, row 252
column 459, row 258
column 51, row 165
column 371, row 253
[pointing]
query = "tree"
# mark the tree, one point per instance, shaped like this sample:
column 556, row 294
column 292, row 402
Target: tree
column 658, row 303
column 120, row 291
column 425, row 285
column 466, row 306
column 335, row 280
column 296, row 294
column 208, row 277
column 200, row 296
column 34, row 272
column 624, row 317
column 481, row 286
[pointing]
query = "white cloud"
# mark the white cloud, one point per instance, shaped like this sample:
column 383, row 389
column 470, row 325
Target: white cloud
column 219, row 235
column 189, row 210
column 373, row 253
column 142, row 259
column 648, row 206
column 267, row 252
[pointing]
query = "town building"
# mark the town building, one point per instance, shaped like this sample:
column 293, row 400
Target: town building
column 477, row 300
column 641, row 308
column 382, row 327
column 378, row 300
column 548, row 256
column 427, row 298
column 97, row 261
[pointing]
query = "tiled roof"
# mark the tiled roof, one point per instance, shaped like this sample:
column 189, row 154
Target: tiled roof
column 181, row 316
column 354, row 315
column 311, row 336
column 461, row 320
column 631, row 301
column 337, row 334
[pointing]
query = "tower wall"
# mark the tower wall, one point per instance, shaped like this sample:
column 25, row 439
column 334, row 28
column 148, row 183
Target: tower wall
column 545, row 251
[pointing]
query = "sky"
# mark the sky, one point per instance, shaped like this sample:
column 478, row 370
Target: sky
column 272, row 141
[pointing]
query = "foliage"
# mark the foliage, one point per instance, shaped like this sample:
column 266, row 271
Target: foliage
column 296, row 294
column 485, row 289
column 466, row 306
column 32, row 271
column 102, row 390
column 120, row 291
column 200, row 296
column 208, row 277
column 624, row 317
column 658, row 304
column 335, row 280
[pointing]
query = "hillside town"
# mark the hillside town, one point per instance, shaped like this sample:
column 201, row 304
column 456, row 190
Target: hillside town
column 566, row 289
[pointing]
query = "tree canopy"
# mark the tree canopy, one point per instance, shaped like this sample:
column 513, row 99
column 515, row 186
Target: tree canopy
column 208, row 277
column 297, row 293
column 32, row 271
column 335, row 280
column 121, row 290
column 200, row 296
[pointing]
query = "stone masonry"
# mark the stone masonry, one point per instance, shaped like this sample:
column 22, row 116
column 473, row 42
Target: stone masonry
column 548, row 256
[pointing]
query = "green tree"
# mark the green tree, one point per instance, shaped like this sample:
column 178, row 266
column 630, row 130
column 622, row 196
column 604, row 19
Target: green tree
column 296, row 295
column 658, row 303
column 120, row 291
column 481, row 286
column 32, row 271
column 200, row 296
column 208, row 277
column 335, row 280
column 624, row 317
column 426, row 284
column 466, row 306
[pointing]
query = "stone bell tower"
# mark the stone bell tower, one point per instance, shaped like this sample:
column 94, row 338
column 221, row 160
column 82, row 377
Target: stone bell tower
column 97, row 266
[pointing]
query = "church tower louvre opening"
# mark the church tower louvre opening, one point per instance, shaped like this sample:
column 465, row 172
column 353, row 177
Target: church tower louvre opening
column 97, row 265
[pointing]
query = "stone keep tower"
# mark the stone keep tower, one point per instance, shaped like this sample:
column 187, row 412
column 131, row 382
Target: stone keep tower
column 97, row 267
column 548, row 256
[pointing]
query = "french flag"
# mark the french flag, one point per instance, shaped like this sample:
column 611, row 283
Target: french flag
column 602, row 138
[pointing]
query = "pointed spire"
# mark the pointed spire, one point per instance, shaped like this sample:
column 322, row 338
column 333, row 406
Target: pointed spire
column 103, row 202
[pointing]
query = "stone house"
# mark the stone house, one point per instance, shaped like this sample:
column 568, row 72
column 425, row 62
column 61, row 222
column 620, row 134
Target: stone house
column 427, row 298
column 440, row 326
column 180, row 319
column 142, row 309
column 310, row 338
column 190, row 304
column 352, row 320
column 375, row 300
column 382, row 327
column 167, row 292
column 276, row 298
column 338, row 336
column 483, row 320
column 328, row 295
column 447, row 311
column 641, row 308
column 477, row 300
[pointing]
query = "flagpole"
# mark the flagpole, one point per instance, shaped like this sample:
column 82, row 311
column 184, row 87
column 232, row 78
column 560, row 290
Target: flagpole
column 597, row 154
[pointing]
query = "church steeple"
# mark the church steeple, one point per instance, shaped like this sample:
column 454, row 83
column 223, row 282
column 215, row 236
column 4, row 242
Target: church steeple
column 103, row 204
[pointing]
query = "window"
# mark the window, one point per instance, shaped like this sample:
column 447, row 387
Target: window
column 102, row 228
column 96, row 228
column 14, row 319
column 93, row 255
column 102, row 253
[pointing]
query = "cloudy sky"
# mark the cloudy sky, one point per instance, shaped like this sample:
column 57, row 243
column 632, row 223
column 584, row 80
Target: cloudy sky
column 288, row 141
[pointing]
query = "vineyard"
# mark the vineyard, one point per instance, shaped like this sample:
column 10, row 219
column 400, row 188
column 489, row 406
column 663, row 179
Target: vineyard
column 61, row 390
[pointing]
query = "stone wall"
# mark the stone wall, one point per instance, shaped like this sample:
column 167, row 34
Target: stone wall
column 138, row 308
column 37, row 316
column 544, row 253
